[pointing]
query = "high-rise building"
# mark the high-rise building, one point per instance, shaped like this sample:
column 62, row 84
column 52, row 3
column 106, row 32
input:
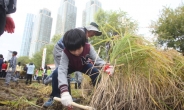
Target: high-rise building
column 41, row 31
column 26, row 39
column 92, row 7
column 66, row 17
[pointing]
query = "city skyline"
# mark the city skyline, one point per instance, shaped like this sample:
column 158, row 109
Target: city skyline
column 66, row 16
column 142, row 11
column 91, row 7
column 27, row 35
column 41, row 31
column 66, row 19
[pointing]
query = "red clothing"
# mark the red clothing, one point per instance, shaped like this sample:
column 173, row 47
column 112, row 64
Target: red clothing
column 77, row 62
column 4, row 66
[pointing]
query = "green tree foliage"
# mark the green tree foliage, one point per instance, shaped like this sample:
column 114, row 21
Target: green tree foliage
column 24, row 60
column 112, row 23
column 37, row 57
column 56, row 38
column 170, row 28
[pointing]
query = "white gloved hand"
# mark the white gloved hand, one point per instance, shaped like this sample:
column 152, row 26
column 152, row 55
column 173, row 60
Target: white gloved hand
column 66, row 99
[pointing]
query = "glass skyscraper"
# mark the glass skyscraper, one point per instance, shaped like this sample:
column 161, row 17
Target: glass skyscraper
column 41, row 31
column 92, row 7
column 26, row 40
column 66, row 17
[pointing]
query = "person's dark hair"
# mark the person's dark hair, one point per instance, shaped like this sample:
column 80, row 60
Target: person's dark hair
column 45, row 67
column 5, row 61
column 74, row 39
column 14, row 52
column 48, row 67
column 19, row 63
column 1, row 56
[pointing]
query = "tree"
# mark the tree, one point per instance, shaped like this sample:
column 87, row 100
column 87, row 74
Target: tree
column 56, row 38
column 112, row 23
column 37, row 57
column 170, row 28
column 24, row 60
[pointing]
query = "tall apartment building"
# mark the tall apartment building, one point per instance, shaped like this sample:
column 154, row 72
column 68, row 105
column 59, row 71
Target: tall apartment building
column 66, row 17
column 91, row 8
column 26, row 39
column 41, row 31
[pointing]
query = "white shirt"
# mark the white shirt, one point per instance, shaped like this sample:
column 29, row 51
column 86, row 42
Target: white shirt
column 30, row 69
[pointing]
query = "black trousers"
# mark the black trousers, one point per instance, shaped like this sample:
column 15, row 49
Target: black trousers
column 2, row 19
column 3, row 73
column 29, row 77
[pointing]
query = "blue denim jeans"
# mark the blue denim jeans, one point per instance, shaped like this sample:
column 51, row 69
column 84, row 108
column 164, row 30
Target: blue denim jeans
column 93, row 73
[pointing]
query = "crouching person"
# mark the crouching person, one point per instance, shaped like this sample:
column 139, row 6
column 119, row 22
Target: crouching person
column 75, row 57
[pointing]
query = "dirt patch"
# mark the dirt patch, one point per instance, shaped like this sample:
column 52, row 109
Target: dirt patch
column 24, row 97
column 27, row 97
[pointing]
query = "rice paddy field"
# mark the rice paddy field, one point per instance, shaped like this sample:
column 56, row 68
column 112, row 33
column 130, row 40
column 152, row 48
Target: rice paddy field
column 145, row 78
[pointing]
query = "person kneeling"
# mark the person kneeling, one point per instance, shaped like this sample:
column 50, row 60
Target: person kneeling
column 76, row 56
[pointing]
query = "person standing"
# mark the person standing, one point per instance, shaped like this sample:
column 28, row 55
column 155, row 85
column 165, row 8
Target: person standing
column 11, row 69
column 40, row 73
column 18, row 69
column 1, row 62
column 45, row 73
column 4, row 68
column 30, row 71
column 23, row 72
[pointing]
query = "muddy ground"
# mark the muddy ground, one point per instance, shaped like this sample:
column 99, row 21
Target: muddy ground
column 26, row 97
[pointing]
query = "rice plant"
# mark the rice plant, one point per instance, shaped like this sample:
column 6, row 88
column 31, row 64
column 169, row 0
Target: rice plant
column 145, row 78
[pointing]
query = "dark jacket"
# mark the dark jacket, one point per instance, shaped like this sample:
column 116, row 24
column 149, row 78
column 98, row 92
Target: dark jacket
column 9, row 5
column 1, row 62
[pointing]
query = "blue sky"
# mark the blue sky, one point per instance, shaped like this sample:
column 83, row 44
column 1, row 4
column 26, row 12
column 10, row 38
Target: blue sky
column 143, row 11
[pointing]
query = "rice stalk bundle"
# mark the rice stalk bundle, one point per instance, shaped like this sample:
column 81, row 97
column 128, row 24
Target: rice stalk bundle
column 145, row 78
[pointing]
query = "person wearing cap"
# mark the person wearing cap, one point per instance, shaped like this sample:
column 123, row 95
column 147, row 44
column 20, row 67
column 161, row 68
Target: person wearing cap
column 91, row 30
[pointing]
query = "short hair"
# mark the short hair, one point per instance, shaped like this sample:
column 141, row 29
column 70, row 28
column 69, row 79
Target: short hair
column 74, row 39
column 14, row 52
column 1, row 56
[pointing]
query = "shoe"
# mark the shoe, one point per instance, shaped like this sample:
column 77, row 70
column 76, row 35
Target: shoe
column 75, row 100
column 48, row 80
column 48, row 103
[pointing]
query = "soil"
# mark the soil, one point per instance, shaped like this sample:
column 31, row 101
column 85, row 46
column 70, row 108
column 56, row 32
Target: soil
column 24, row 97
